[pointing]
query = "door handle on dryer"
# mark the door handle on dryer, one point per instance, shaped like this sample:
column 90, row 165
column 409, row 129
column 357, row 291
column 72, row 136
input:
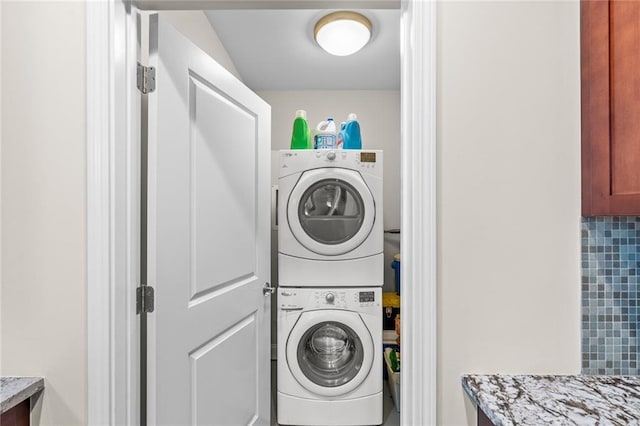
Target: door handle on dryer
column 267, row 290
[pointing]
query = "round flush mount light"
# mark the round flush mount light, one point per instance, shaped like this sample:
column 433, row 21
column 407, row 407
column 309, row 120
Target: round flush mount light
column 342, row 33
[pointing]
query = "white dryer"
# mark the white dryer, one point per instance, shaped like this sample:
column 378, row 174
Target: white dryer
column 330, row 218
column 330, row 356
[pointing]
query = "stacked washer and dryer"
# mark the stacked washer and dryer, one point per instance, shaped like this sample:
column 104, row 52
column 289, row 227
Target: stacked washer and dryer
column 330, row 268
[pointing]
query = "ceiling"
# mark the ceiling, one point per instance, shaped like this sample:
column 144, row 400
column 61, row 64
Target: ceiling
column 275, row 50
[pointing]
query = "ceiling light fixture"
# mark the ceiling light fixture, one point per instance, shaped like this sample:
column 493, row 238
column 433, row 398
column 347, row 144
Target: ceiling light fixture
column 342, row 33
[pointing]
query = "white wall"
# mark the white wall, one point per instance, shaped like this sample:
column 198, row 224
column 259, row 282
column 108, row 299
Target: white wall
column 379, row 117
column 508, row 193
column 1, row 117
column 43, row 307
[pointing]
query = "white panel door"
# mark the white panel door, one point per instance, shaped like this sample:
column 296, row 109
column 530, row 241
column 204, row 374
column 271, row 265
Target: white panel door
column 208, row 240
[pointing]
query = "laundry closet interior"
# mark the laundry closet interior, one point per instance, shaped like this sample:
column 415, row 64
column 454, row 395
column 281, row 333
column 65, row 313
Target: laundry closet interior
column 273, row 52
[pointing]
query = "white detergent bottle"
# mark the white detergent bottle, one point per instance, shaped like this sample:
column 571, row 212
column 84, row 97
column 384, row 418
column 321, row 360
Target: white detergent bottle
column 340, row 136
column 325, row 137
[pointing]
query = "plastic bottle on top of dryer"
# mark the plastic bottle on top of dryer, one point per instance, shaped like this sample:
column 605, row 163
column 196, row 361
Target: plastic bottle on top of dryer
column 351, row 137
column 325, row 137
column 301, row 135
column 340, row 137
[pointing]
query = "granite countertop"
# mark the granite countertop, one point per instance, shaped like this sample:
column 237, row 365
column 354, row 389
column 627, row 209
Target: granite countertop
column 14, row 390
column 556, row 400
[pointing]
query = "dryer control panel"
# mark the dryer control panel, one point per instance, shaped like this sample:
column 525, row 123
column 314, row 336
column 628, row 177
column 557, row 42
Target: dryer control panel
column 366, row 161
column 298, row 299
column 348, row 158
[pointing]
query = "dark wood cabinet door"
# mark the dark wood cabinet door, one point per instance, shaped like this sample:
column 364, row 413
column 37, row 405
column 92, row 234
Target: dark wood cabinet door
column 610, row 56
column 17, row 416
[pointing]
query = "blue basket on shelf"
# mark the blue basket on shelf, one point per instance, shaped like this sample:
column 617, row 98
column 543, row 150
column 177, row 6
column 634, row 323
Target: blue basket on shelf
column 396, row 267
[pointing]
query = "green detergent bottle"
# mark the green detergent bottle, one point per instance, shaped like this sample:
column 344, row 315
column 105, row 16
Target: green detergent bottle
column 301, row 135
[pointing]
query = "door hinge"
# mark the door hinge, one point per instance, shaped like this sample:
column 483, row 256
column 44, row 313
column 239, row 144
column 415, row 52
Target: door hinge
column 146, row 79
column 144, row 299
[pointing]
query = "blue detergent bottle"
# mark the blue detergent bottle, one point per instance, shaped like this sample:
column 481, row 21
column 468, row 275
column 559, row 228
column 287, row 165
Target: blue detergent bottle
column 352, row 138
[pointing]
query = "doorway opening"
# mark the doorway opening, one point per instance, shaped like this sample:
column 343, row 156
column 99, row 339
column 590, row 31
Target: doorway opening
column 417, row 216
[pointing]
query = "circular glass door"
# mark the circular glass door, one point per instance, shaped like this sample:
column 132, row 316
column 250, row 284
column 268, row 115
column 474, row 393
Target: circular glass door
column 331, row 211
column 330, row 354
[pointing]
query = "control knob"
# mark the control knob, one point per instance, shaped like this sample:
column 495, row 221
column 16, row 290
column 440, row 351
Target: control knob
column 330, row 297
column 331, row 155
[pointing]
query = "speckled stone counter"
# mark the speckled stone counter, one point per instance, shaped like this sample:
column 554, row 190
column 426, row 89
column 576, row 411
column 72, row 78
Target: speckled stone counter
column 14, row 390
column 556, row 400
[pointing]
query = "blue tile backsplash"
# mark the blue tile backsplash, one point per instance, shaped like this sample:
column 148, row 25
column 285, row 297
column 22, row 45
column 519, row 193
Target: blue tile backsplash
column 610, row 295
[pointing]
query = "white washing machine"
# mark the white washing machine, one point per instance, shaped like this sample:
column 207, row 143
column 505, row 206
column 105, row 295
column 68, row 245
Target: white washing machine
column 330, row 230
column 330, row 356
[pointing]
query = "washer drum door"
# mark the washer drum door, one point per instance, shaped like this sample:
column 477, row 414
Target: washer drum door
column 330, row 352
column 331, row 211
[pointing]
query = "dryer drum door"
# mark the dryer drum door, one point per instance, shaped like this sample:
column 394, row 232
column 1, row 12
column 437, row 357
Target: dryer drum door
column 331, row 211
column 330, row 352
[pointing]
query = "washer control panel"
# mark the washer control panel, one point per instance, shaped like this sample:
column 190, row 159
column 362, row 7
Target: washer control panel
column 329, row 299
column 298, row 299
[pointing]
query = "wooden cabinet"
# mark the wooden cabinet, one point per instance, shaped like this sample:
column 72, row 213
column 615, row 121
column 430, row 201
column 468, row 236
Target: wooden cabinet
column 483, row 419
column 610, row 58
column 17, row 416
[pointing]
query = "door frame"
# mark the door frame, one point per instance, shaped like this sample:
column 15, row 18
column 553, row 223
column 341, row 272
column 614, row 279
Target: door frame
column 113, row 207
column 113, row 213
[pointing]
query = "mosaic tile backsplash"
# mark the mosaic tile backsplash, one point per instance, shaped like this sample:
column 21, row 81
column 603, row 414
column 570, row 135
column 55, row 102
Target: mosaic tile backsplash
column 610, row 295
